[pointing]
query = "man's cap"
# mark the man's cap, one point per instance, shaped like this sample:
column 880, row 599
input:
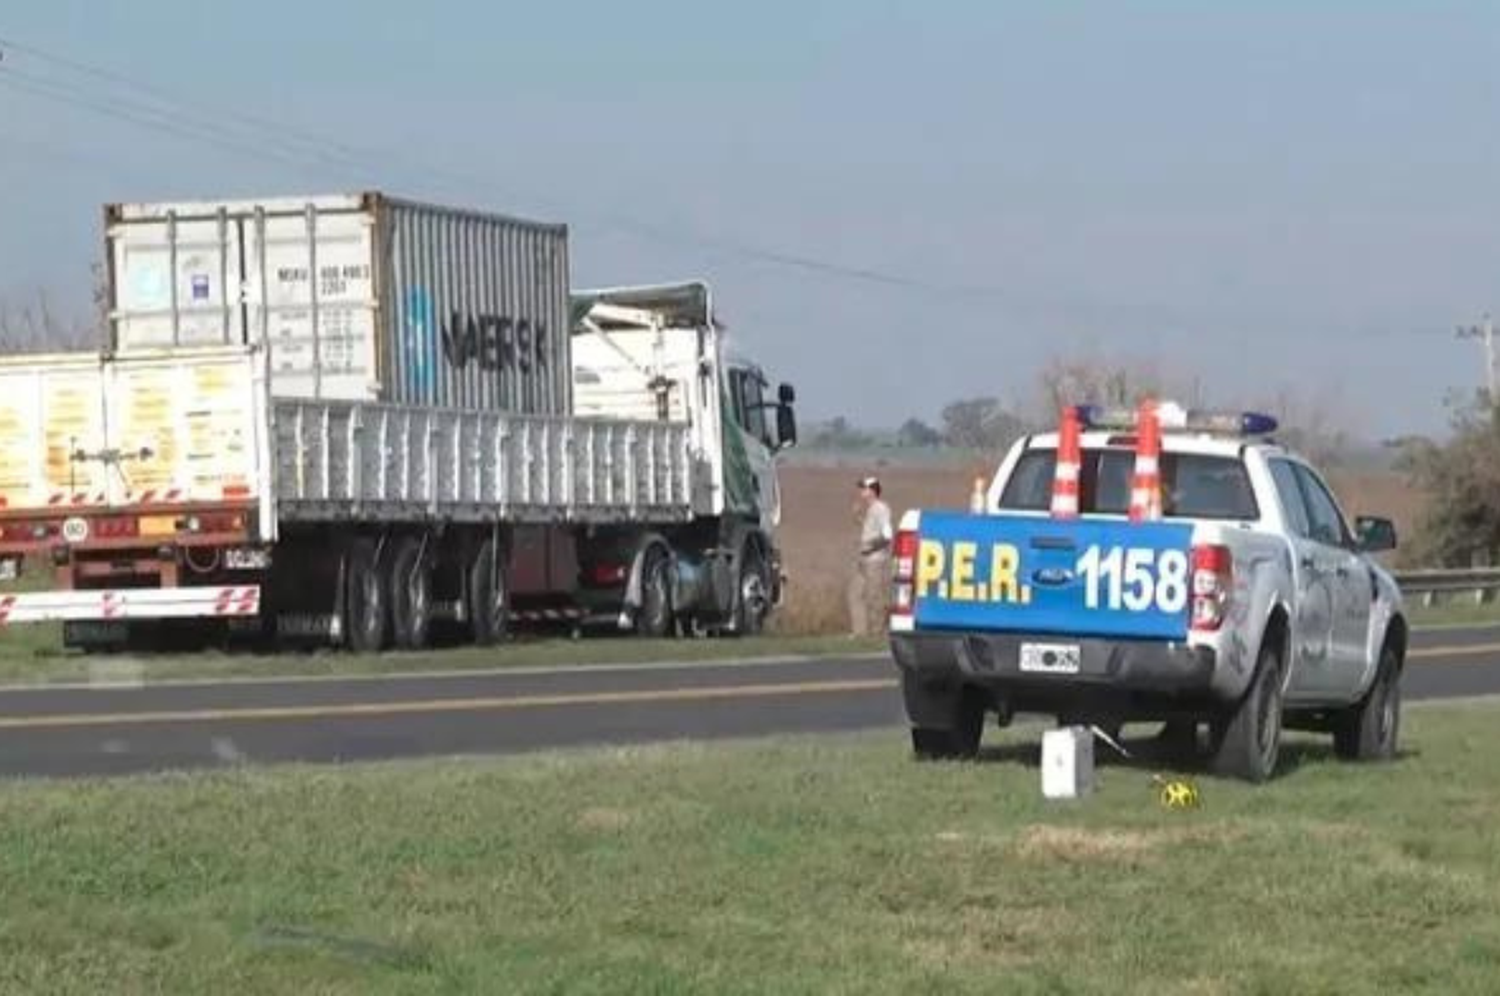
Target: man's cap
column 869, row 482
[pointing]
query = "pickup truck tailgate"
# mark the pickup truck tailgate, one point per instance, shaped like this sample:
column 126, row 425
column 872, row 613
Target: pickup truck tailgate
column 1079, row 577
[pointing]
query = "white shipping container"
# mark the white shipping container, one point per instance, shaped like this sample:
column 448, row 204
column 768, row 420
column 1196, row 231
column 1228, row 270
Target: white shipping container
column 358, row 297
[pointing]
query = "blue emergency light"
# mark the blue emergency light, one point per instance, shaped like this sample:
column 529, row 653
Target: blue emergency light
column 1178, row 419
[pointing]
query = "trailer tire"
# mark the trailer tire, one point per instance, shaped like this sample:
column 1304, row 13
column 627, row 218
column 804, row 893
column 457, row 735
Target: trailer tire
column 654, row 620
column 411, row 594
column 366, row 613
column 489, row 596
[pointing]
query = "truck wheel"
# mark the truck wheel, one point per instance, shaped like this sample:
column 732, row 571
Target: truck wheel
column 1368, row 731
column 1247, row 743
column 489, row 597
column 752, row 598
column 411, row 594
column 366, row 617
column 655, row 617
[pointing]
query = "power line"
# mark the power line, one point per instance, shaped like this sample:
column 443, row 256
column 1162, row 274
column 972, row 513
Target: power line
column 182, row 123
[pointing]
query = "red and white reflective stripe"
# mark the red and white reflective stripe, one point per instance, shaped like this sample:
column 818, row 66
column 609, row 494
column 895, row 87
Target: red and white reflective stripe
column 80, row 498
column 1145, row 489
column 237, row 601
column 153, row 496
column 130, row 603
column 1069, row 466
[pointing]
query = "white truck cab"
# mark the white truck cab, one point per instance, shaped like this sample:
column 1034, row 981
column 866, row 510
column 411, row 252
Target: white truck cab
column 1246, row 602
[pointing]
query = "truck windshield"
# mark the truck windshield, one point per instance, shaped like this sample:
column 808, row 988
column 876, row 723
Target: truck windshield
column 1194, row 486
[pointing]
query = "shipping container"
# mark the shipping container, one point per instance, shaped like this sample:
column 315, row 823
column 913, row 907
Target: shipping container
column 360, row 297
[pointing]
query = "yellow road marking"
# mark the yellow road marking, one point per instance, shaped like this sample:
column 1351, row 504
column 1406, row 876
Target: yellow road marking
column 1478, row 649
column 440, row 705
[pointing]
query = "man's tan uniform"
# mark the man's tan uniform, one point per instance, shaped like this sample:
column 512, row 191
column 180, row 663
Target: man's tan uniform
column 870, row 584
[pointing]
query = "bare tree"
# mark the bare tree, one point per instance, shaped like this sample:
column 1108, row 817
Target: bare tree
column 31, row 324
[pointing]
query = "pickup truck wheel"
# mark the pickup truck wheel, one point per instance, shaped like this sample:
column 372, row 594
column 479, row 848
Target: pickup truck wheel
column 958, row 742
column 1369, row 730
column 1247, row 743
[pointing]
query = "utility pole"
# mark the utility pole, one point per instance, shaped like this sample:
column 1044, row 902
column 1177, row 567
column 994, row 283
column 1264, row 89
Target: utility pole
column 1485, row 333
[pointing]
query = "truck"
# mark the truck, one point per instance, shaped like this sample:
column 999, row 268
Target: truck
column 1152, row 564
column 372, row 422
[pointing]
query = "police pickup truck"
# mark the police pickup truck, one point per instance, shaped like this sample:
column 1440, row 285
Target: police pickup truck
column 1152, row 565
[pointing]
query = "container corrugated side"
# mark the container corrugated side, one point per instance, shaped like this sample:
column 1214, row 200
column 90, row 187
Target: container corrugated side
column 477, row 309
column 360, row 297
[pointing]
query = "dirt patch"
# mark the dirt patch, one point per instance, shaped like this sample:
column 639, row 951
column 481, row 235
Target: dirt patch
column 604, row 820
column 993, row 938
column 1054, row 843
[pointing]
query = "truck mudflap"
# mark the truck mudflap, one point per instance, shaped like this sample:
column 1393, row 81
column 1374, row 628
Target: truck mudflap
column 1018, row 574
column 132, row 603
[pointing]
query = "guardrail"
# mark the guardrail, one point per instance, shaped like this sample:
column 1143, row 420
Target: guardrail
column 1432, row 586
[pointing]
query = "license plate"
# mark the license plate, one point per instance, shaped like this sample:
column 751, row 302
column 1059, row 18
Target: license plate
column 10, row 569
column 1051, row 658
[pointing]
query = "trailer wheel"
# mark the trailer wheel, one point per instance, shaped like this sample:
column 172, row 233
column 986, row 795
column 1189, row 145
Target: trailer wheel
column 489, row 597
column 655, row 617
column 366, row 619
column 411, row 594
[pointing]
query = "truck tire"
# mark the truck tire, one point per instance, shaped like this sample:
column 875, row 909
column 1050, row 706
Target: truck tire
column 1368, row 730
column 489, row 596
column 752, row 594
column 654, row 620
column 411, row 594
column 1247, row 742
column 366, row 611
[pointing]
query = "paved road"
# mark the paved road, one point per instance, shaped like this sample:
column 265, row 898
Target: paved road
column 103, row 731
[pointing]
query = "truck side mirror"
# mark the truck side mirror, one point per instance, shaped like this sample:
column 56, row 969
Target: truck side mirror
column 1376, row 535
column 786, row 426
column 787, row 395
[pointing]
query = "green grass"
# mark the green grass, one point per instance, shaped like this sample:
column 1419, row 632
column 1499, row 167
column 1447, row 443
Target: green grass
column 1454, row 613
column 813, row 866
column 23, row 662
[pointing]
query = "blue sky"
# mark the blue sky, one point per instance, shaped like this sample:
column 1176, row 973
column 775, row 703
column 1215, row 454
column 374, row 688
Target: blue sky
column 1262, row 195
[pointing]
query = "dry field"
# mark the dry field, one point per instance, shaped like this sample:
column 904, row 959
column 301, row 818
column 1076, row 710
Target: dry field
column 819, row 528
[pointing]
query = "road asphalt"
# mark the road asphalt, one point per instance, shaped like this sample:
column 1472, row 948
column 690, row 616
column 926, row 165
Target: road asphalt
column 109, row 729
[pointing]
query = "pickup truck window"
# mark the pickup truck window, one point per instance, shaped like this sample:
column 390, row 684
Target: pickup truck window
column 1322, row 511
column 1194, row 486
column 1290, row 493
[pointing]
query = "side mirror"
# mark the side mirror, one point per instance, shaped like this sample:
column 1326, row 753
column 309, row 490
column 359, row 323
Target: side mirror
column 786, row 426
column 787, row 394
column 1376, row 535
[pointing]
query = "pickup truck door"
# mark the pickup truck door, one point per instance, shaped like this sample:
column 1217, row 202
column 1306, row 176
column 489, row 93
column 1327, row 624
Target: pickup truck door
column 1314, row 592
column 1350, row 581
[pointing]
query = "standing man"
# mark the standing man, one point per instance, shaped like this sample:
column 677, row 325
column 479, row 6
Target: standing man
column 870, row 583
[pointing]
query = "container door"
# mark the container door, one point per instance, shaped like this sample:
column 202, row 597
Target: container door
column 177, row 282
column 312, row 296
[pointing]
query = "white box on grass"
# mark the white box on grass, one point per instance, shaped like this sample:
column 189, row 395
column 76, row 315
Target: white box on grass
column 1067, row 762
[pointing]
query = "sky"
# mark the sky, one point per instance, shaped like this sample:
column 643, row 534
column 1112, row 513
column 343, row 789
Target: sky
column 897, row 204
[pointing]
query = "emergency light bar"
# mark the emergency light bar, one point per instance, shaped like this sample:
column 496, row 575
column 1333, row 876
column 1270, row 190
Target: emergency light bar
column 1174, row 417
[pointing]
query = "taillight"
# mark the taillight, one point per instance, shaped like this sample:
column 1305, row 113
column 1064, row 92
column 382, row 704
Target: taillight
column 904, row 552
column 211, row 524
column 608, row 575
column 1213, row 581
column 22, row 532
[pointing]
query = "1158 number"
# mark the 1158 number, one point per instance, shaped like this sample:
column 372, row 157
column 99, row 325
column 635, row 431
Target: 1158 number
column 1135, row 580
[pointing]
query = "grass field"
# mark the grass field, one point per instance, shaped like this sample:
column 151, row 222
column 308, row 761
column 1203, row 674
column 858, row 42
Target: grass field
column 829, row 865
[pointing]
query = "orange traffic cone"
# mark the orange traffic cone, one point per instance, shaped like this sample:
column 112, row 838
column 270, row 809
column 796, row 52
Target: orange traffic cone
column 1145, row 490
column 977, row 496
column 1069, row 466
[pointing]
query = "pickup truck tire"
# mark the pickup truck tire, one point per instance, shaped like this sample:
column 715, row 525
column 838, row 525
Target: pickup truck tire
column 1247, row 742
column 947, row 723
column 1368, row 731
